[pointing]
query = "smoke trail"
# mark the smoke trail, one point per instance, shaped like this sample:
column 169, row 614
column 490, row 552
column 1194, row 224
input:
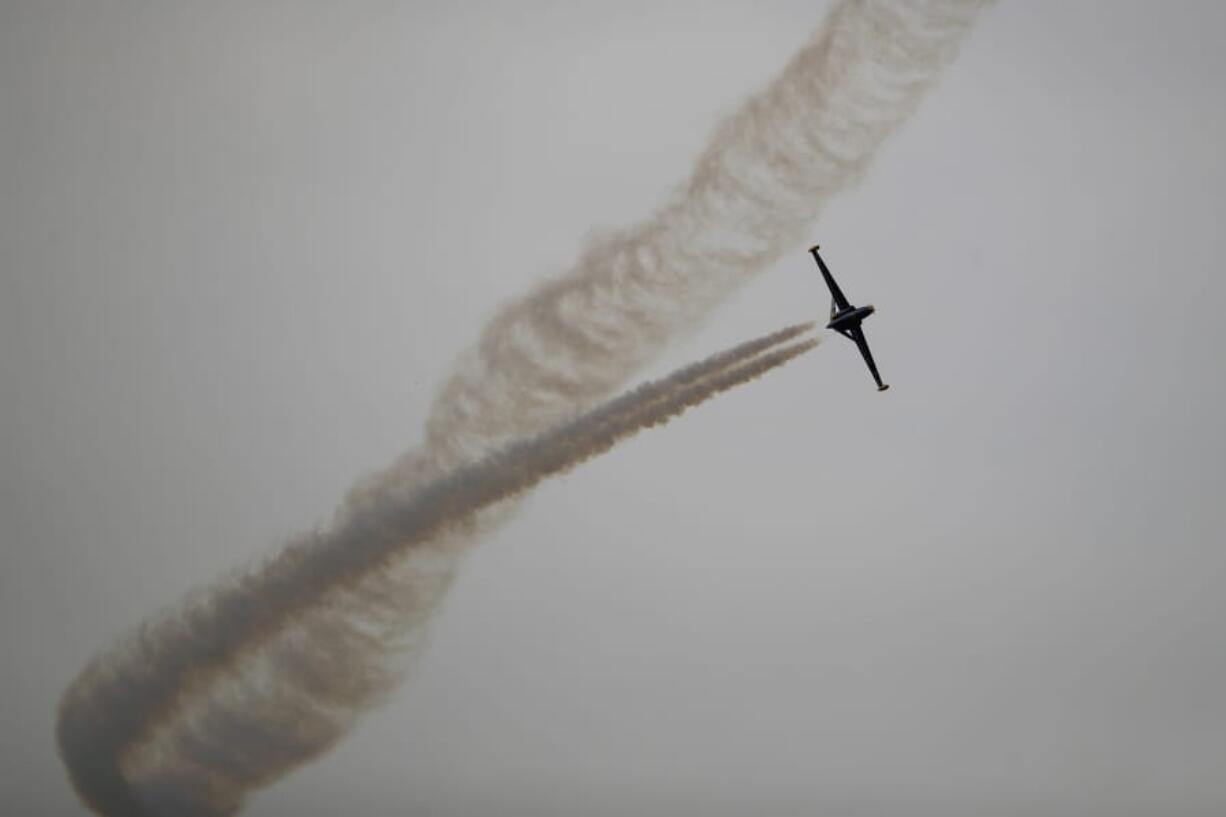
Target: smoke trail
column 567, row 345
column 187, row 655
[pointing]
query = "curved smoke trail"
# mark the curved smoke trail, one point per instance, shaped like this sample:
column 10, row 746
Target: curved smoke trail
column 216, row 729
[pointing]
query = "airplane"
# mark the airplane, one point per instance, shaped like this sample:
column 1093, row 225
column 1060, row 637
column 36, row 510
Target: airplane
column 846, row 319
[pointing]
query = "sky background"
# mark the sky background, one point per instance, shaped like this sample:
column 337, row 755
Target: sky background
column 241, row 244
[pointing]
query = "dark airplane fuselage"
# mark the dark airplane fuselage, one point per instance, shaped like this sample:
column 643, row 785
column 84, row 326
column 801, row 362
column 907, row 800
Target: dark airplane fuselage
column 845, row 317
column 850, row 318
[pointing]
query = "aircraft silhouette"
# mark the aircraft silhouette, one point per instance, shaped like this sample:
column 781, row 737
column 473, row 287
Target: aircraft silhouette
column 846, row 318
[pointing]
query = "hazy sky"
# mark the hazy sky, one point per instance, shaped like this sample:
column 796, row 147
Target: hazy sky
column 242, row 243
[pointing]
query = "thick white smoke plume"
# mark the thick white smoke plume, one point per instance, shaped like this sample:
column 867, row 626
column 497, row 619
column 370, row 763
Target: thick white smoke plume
column 252, row 678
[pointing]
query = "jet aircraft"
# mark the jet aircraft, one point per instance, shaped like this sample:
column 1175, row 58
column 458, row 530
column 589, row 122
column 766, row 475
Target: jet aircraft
column 846, row 319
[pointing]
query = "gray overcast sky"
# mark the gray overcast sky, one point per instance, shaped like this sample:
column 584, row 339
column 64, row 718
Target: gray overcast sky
column 241, row 244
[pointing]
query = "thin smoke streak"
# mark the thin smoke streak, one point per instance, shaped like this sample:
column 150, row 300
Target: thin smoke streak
column 183, row 657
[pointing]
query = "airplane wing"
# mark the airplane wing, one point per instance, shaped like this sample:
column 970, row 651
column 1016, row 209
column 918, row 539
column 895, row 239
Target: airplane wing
column 857, row 334
column 838, row 300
